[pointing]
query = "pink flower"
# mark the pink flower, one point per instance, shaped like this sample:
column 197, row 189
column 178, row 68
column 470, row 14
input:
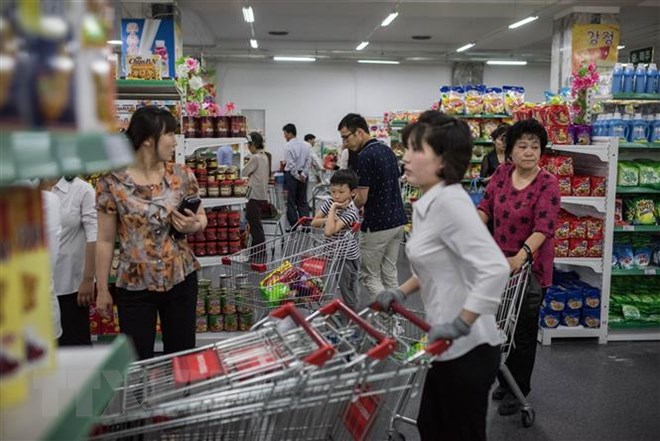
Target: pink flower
column 193, row 65
column 192, row 108
column 229, row 108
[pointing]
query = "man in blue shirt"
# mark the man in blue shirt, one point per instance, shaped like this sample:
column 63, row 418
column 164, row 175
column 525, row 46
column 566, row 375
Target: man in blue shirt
column 380, row 195
column 297, row 155
column 225, row 155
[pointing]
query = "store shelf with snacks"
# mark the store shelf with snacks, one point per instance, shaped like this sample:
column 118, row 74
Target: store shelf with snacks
column 595, row 263
column 191, row 145
column 28, row 155
column 147, row 89
column 636, row 190
column 598, row 150
column 648, row 271
column 223, row 202
column 637, row 229
column 65, row 402
column 484, row 116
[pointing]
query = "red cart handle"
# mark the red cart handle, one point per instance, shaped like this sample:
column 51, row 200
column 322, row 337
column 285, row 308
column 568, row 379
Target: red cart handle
column 325, row 350
column 385, row 345
column 307, row 220
column 434, row 348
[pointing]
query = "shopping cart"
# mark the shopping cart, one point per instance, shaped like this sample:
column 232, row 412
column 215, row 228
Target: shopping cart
column 336, row 399
column 321, row 190
column 506, row 319
column 302, row 267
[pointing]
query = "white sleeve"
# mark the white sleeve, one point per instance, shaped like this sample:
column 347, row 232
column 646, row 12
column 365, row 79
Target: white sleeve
column 88, row 213
column 51, row 208
column 467, row 236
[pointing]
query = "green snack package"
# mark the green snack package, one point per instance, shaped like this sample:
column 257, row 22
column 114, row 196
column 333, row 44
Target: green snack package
column 628, row 174
column 631, row 313
column 644, row 211
column 649, row 173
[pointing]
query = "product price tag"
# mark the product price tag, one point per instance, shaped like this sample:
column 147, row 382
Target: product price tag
column 650, row 272
column 628, row 228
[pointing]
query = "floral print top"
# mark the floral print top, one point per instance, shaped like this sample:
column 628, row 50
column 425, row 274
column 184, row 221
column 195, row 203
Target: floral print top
column 149, row 258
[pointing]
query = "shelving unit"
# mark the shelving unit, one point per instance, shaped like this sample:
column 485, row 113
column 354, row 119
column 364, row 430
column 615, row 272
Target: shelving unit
column 152, row 89
column 222, row 202
column 64, row 403
column 636, row 190
column 599, row 159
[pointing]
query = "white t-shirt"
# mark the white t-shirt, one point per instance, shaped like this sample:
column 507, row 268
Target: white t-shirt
column 458, row 265
column 51, row 209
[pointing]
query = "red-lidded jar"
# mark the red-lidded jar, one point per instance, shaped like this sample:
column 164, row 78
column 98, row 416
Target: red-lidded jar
column 223, row 234
column 211, row 234
column 240, row 188
column 225, row 189
column 234, row 246
column 223, row 126
column 223, row 248
column 212, row 218
column 206, row 126
column 234, row 233
column 199, row 249
column 213, row 189
column 203, row 191
column 223, row 219
column 211, row 248
column 199, row 236
column 234, row 218
column 189, row 128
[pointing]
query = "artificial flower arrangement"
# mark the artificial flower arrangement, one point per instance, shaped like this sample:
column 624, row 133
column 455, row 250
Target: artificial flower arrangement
column 584, row 79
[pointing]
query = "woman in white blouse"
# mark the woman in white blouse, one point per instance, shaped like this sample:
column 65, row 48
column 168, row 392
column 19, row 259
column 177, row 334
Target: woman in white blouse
column 74, row 268
column 460, row 272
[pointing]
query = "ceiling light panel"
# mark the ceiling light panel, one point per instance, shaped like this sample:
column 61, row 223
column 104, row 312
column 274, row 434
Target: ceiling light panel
column 362, row 45
column 523, row 22
column 466, row 47
column 390, row 18
column 254, row 44
column 299, row 59
column 378, row 62
column 248, row 14
column 507, row 62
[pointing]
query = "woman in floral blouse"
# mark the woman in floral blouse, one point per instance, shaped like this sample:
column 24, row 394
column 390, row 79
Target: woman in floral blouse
column 156, row 273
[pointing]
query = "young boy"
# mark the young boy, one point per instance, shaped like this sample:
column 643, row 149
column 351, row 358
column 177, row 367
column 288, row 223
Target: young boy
column 335, row 216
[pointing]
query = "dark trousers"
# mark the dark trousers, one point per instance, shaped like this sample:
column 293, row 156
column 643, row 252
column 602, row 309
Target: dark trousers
column 253, row 214
column 75, row 322
column 455, row 396
column 176, row 307
column 523, row 352
column 296, row 199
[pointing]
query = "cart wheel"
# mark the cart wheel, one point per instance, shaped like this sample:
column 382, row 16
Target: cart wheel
column 528, row 417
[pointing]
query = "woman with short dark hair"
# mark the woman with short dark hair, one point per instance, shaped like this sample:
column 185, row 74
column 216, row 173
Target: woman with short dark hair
column 522, row 202
column 157, row 273
column 496, row 157
column 460, row 273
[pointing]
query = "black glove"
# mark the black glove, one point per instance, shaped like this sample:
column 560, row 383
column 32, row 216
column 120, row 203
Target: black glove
column 449, row 331
column 386, row 297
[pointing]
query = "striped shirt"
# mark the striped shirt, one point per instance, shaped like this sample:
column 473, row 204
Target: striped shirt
column 348, row 216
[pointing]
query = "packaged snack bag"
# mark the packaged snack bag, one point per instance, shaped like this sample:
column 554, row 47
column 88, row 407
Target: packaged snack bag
column 557, row 115
column 590, row 317
column 577, row 247
column 558, row 134
column 474, row 100
column 642, row 251
column 580, row 186
column 627, row 174
column 561, row 248
column 649, row 173
column 644, row 211
column 554, row 300
column 523, row 113
column 514, row 97
column 595, row 248
column 563, row 226
column 570, row 318
column 475, row 128
column 574, row 299
column 453, row 100
column 594, row 228
column 494, row 101
column 591, row 297
column 564, row 165
column 549, row 320
column 598, row 186
column 618, row 211
column 624, row 253
column 577, row 228
column 488, row 126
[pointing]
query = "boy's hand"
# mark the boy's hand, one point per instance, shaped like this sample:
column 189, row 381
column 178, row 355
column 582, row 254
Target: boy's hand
column 338, row 206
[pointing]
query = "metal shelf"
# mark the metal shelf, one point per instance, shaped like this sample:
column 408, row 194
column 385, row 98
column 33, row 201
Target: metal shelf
column 64, row 403
column 639, row 146
column 598, row 150
column 597, row 202
column 194, row 144
column 595, row 263
column 637, row 96
column 483, row 142
column 545, row 335
column 152, row 89
column 637, row 229
column 222, row 202
column 650, row 271
column 629, row 190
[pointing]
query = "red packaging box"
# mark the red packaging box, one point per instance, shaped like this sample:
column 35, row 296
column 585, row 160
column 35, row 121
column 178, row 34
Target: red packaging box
column 595, row 248
column 565, row 188
column 581, row 186
column 577, row 228
column 577, row 247
column 594, row 228
column 598, row 186
column 561, row 248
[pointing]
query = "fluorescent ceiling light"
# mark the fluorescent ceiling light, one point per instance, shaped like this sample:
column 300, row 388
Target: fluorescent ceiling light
column 114, row 42
column 523, row 22
column 362, row 45
column 248, row 14
column 254, row 43
column 466, row 47
column 390, row 18
column 506, row 62
column 302, row 59
column 378, row 61
column 621, row 46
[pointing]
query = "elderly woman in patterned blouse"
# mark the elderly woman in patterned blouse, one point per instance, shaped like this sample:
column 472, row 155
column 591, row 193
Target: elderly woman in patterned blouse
column 522, row 203
column 157, row 273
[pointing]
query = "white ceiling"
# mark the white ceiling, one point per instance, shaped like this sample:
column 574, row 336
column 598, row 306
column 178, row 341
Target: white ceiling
column 331, row 29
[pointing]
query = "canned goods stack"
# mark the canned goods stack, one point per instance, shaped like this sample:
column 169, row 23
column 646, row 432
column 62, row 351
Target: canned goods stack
column 221, row 309
column 216, row 181
column 222, row 235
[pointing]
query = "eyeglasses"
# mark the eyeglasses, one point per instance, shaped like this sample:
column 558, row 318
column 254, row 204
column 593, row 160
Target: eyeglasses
column 345, row 137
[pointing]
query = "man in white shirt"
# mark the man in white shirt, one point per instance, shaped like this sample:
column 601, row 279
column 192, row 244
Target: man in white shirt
column 315, row 176
column 298, row 159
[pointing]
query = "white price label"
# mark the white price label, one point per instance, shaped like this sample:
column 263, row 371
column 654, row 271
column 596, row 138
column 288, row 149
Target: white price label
column 650, row 271
column 628, row 228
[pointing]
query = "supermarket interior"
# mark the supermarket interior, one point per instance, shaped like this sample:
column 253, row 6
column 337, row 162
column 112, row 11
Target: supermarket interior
column 133, row 145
